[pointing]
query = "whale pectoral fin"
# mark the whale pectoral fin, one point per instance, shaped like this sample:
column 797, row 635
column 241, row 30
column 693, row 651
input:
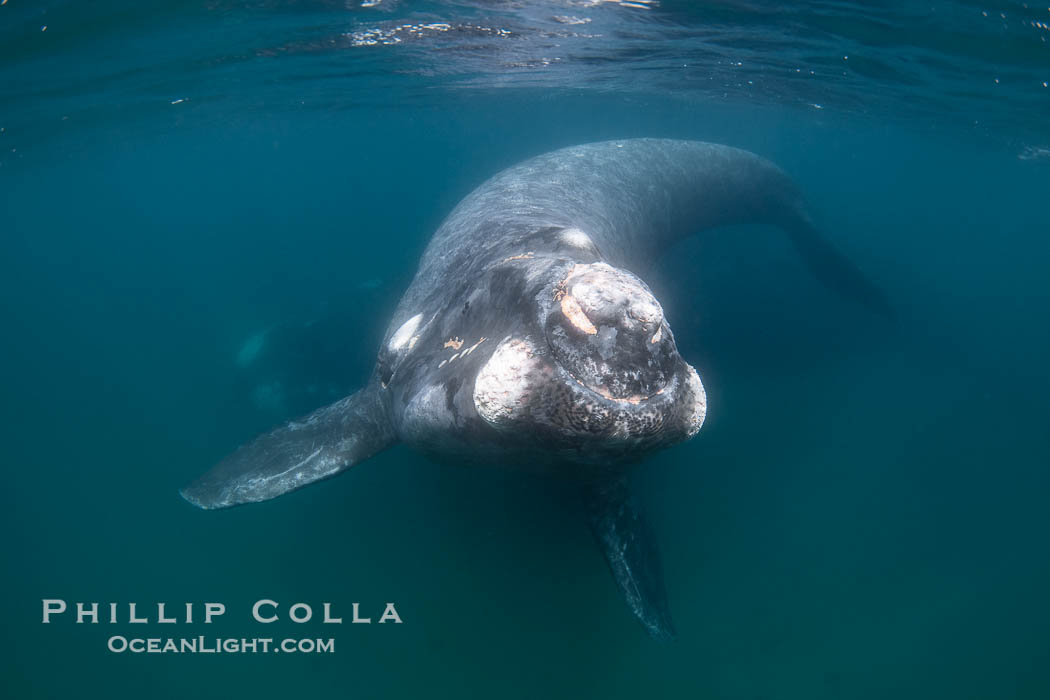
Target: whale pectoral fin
column 833, row 269
column 630, row 550
column 317, row 446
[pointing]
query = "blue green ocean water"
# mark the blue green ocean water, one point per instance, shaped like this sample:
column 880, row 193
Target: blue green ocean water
column 208, row 211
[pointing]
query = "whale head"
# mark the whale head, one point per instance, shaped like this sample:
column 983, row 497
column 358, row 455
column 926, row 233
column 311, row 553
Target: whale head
column 599, row 378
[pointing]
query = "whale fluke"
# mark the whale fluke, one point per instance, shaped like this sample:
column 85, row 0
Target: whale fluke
column 314, row 447
column 834, row 270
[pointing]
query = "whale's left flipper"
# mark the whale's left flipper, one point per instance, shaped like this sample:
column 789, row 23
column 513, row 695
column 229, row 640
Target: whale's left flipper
column 630, row 550
column 317, row 446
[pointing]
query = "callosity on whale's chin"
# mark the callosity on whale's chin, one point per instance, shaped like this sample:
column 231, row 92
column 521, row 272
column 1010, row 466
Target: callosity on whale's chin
column 604, row 381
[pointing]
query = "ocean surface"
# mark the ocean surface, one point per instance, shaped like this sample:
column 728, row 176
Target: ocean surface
column 209, row 209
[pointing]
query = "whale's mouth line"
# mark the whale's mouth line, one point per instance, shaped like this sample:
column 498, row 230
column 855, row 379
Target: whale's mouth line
column 633, row 400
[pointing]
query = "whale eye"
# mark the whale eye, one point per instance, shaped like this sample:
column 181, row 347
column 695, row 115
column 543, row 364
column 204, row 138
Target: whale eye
column 608, row 331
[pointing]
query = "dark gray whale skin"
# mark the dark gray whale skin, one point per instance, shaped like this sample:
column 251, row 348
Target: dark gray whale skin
column 528, row 338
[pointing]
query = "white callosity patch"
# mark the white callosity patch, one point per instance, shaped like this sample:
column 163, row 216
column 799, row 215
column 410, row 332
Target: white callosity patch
column 403, row 334
column 600, row 287
column 502, row 387
column 577, row 239
column 699, row 413
column 626, row 356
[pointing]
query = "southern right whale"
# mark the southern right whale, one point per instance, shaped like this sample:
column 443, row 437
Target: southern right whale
column 528, row 337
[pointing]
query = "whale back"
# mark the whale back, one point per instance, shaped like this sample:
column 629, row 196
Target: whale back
column 633, row 198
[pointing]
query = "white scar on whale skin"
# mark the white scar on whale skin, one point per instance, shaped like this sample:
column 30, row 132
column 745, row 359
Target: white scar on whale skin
column 473, row 347
column 464, row 353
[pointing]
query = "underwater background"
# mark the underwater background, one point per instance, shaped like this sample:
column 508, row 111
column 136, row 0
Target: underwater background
column 208, row 211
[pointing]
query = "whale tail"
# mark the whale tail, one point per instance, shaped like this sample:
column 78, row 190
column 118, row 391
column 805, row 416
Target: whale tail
column 832, row 268
column 629, row 547
column 317, row 446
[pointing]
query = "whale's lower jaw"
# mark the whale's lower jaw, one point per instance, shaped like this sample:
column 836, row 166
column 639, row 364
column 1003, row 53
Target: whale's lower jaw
column 518, row 392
